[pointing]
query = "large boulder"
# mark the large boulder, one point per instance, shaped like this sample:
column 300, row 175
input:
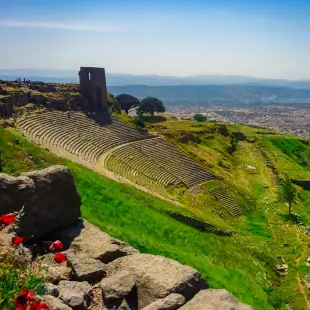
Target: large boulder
column 171, row 302
column 157, row 277
column 213, row 299
column 83, row 238
column 16, row 192
column 47, row 199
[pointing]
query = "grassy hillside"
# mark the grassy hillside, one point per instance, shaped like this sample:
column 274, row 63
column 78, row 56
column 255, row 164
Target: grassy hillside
column 244, row 264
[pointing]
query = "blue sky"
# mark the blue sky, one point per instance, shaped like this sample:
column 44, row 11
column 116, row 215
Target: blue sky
column 255, row 38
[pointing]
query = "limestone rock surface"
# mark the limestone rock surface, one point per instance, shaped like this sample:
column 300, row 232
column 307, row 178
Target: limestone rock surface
column 171, row 302
column 20, row 255
column 86, row 269
column 83, row 238
column 118, row 285
column 51, row 289
column 213, row 299
column 54, row 303
column 75, row 294
column 52, row 271
column 157, row 277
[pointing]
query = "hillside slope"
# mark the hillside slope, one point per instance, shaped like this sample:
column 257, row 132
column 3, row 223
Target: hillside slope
column 244, row 264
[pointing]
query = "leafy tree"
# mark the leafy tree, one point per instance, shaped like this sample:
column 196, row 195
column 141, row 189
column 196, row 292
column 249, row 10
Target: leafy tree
column 287, row 193
column 199, row 118
column 127, row 102
column 113, row 104
column 150, row 105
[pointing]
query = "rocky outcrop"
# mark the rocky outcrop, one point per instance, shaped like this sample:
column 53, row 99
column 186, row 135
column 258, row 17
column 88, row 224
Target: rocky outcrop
column 47, row 200
column 157, row 277
column 215, row 300
column 100, row 272
column 89, row 241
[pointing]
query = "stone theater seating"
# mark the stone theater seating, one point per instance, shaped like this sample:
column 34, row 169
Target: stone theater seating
column 139, row 157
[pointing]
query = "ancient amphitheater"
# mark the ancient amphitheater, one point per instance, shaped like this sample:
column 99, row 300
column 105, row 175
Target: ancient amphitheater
column 101, row 141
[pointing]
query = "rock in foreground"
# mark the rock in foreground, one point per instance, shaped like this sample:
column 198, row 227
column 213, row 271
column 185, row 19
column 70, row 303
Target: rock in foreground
column 171, row 302
column 89, row 241
column 157, row 277
column 215, row 300
column 48, row 200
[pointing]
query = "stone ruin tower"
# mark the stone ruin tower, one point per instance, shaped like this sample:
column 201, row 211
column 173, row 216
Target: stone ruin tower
column 93, row 88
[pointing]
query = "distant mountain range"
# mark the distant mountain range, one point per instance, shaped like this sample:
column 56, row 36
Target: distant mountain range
column 224, row 95
column 191, row 90
column 113, row 79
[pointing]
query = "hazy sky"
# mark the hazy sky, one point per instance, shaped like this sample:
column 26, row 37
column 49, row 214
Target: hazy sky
column 265, row 38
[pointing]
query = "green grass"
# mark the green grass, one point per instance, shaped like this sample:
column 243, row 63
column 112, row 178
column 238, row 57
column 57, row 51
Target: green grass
column 13, row 280
column 243, row 264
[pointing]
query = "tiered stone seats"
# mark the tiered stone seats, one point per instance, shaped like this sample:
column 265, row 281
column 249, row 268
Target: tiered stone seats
column 76, row 133
column 152, row 162
column 171, row 159
column 224, row 197
column 144, row 159
column 137, row 164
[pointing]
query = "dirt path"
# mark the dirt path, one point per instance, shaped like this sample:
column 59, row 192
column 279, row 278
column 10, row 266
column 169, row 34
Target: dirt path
column 301, row 287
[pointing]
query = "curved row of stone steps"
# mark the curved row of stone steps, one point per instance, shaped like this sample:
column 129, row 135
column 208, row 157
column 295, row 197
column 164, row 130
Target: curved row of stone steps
column 120, row 167
column 166, row 157
column 135, row 159
column 223, row 196
column 76, row 133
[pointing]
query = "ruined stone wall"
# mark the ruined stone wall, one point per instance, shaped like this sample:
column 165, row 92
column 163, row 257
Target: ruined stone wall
column 6, row 107
column 93, row 87
column 7, row 103
column 19, row 99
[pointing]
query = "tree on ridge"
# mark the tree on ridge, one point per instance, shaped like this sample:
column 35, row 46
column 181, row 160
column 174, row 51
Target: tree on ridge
column 287, row 193
column 150, row 105
column 127, row 102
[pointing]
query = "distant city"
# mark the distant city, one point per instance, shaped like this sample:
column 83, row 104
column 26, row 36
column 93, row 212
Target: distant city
column 280, row 118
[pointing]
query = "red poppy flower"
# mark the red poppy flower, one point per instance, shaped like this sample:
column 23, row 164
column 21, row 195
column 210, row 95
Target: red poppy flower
column 38, row 306
column 60, row 258
column 56, row 245
column 22, row 299
column 17, row 240
column 7, row 219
